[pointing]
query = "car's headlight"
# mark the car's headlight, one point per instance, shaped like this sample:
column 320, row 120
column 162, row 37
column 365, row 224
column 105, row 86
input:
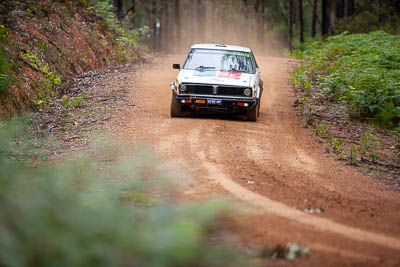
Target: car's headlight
column 247, row 92
column 182, row 88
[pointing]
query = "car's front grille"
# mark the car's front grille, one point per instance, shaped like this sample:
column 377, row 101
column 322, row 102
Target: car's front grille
column 209, row 90
column 200, row 89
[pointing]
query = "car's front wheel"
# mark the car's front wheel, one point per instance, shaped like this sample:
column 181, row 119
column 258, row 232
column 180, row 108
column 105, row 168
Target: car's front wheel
column 252, row 113
column 176, row 107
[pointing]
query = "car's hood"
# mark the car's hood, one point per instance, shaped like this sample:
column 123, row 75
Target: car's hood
column 215, row 77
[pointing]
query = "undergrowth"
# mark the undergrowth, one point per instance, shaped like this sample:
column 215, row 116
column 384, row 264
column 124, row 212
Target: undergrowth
column 125, row 38
column 71, row 214
column 359, row 70
column 5, row 78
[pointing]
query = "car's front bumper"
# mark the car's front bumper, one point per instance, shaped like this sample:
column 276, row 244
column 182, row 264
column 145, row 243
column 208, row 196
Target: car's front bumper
column 227, row 104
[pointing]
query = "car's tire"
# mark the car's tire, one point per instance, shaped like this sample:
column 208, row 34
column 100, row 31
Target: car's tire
column 252, row 113
column 176, row 107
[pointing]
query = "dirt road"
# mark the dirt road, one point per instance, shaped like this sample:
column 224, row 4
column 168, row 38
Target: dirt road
column 273, row 166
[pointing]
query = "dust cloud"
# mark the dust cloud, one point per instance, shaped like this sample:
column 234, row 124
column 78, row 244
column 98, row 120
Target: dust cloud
column 227, row 22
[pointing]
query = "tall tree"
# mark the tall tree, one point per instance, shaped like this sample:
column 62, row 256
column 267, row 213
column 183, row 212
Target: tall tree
column 301, row 18
column 201, row 20
column 259, row 10
column 290, row 23
column 214, row 21
column 325, row 24
column 194, row 21
column 314, row 19
column 246, row 19
column 164, row 27
column 118, row 7
column 177, row 19
column 129, row 10
column 151, row 17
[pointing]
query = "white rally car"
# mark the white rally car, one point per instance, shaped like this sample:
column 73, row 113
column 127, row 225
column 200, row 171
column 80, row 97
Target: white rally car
column 218, row 77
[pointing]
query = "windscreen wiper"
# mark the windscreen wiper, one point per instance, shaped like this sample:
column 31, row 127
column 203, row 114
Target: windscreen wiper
column 234, row 70
column 205, row 68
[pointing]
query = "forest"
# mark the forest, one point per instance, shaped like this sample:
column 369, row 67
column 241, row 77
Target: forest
column 265, row 24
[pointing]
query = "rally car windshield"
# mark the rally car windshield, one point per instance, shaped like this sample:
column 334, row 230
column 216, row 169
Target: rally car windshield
column 211, row 59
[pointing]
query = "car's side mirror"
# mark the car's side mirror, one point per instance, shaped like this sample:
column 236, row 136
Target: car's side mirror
column 176, row 66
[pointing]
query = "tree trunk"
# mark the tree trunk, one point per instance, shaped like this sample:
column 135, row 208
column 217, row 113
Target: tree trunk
column 118, row 7
column 325, row 25
column 167, row 29
column 130, row 9
column 150, row 24
column 156, row 32
column 201, row 20
column 340, row 9
column 164, row 27
column 177, row 21
column 381, row 11
column 301, row 21
column 221, row 18
column 314, row 19
column 260, row 22
column 246, row 19
column 290, row 22
column 350, row 7
column 194, row 22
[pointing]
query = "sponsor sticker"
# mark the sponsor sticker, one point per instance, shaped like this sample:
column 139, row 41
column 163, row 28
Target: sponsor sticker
column 205, row 73
column 229, row 75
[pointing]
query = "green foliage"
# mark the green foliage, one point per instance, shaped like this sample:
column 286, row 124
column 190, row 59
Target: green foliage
column 370, row 18
column 352, row 155
column 125, row 38
column 323, row 130
column 319, row 128
column 326, row 132
column 367, row 141
column 74, row 102
column 360, row 70
column 104, row 8
column 39, row 103
column 300, row 78
column 297, row 53
column 32, row 58
column 6, row 77
column 336, row 145
column 3, row 33
column 68, row 215
column 47, row 86
column 34, row 9
column 374, row 156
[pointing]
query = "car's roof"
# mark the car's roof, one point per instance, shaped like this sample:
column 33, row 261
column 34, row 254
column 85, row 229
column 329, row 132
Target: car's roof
column 222, row 47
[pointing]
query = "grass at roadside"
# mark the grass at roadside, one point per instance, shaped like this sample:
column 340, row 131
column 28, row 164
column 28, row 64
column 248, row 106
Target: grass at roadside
column 348, row 90
column 361, row 71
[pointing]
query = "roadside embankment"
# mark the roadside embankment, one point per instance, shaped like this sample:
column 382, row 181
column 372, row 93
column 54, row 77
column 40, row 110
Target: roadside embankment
column 45, row 43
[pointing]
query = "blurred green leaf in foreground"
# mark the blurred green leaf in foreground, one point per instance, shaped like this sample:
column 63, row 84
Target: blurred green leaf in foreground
column 69, row 215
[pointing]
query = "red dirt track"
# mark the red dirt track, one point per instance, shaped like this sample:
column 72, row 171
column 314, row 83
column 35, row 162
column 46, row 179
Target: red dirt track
column 272, row 166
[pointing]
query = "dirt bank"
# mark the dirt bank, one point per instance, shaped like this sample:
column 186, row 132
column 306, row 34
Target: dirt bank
column 45, row 43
